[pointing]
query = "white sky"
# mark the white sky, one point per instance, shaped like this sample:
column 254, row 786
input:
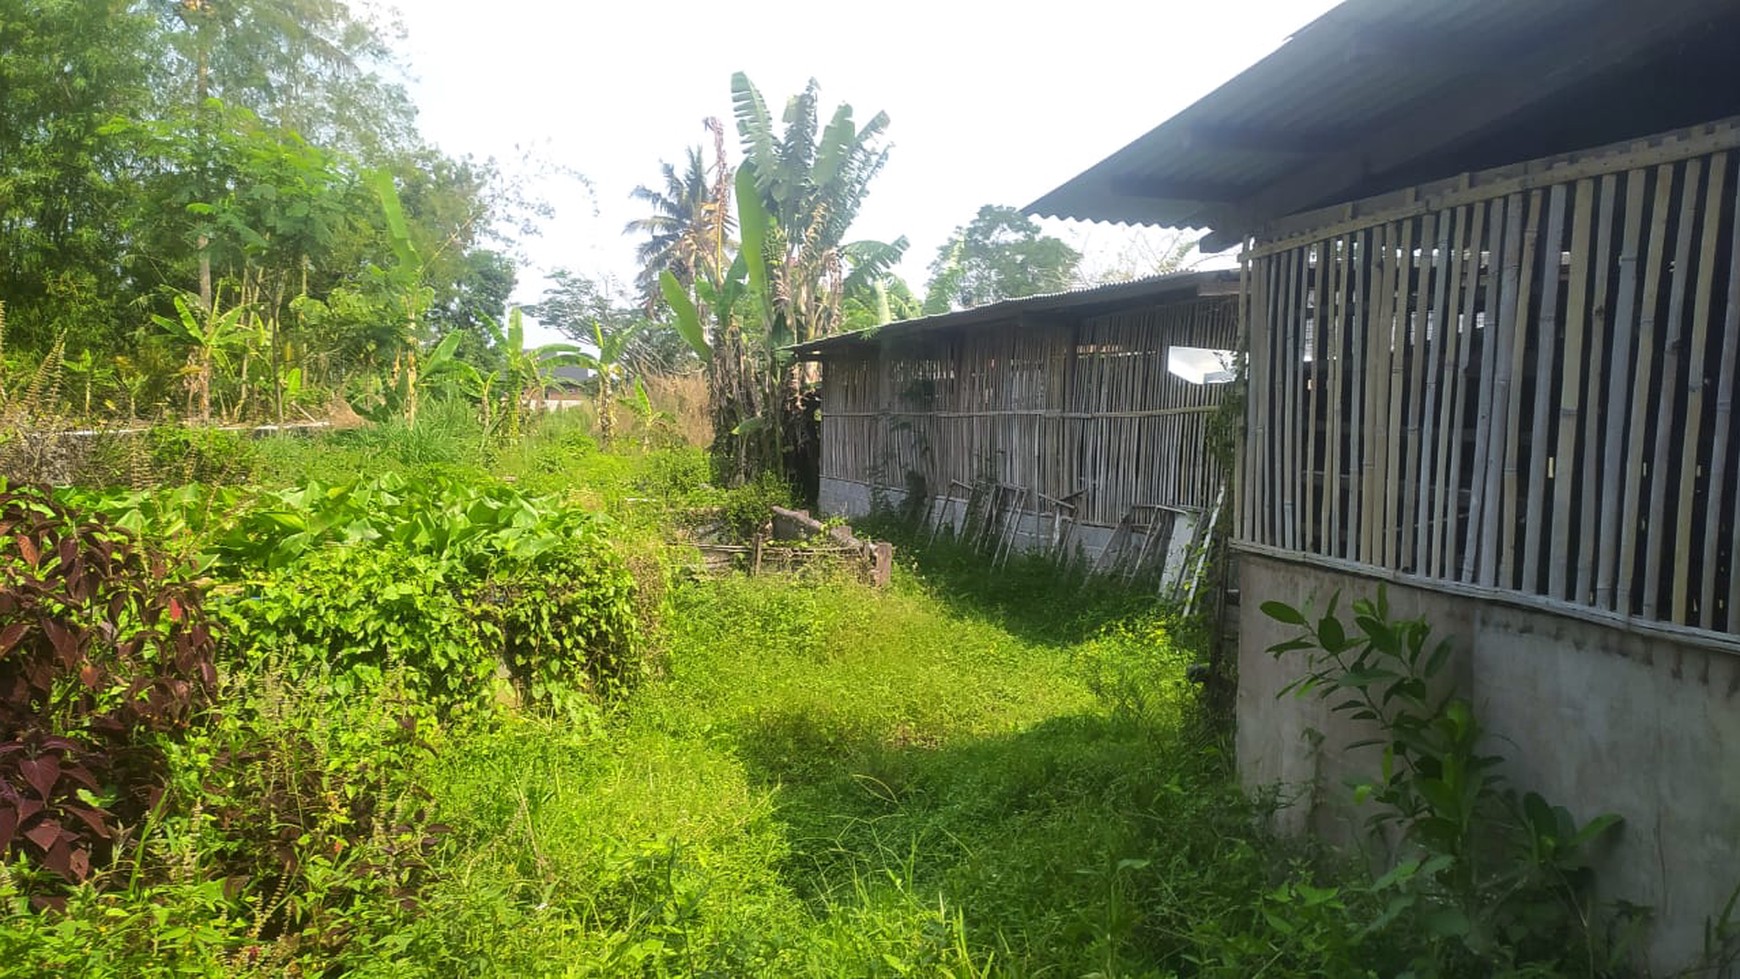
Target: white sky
column 989, row 103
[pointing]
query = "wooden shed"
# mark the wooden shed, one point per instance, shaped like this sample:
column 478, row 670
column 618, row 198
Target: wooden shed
column 1071, row 421
column 1492, row 313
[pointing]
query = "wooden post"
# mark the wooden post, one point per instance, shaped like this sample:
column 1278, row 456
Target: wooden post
column 755, row 554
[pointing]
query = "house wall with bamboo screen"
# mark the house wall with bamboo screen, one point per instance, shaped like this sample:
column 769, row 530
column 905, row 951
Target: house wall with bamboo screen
column 1079, row 407
column 1511, row 395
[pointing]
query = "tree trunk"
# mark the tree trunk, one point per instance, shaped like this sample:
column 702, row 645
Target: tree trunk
column 606, row 423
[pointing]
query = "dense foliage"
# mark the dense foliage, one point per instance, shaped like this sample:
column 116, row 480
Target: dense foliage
column 1000, row 254
column 196, row 224
column 103, row 648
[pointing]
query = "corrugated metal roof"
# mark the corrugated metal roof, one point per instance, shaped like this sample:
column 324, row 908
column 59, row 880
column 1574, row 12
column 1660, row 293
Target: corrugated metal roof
column 1365, row 69
column 1178, row 286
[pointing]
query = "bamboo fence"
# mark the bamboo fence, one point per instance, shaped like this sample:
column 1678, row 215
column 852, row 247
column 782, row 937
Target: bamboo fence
column 1056, row 409
column 1523, row 381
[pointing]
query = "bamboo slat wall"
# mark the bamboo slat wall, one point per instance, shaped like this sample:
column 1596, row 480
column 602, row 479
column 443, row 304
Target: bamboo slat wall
column 1050, row 408
column 1525, row 385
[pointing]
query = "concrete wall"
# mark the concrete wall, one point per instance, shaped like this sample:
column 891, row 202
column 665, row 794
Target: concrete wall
column 1595, row 717
column 849, row 499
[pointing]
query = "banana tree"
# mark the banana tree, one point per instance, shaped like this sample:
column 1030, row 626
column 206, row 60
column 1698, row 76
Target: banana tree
column 90, row 371
column 405, row 280
column 606, row 364
column 209, row 343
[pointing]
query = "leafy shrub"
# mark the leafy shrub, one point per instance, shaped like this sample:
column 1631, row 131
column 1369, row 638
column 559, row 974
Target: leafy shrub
column 568, row 621
column 369, row 611
column 1496, row 877
column 102, row 650
column 747, row 507
column 674, row 474
column 191, row 454
column 446, row 582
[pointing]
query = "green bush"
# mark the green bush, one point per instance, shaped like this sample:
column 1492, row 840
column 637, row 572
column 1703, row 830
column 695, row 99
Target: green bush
column 370, row 611
column 190, row 454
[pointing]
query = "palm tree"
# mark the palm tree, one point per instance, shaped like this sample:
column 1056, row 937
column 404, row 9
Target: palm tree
column 688, row 231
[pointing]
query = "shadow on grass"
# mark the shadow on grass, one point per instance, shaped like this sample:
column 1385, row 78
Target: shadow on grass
column 1084, row 840
column 1031, row 595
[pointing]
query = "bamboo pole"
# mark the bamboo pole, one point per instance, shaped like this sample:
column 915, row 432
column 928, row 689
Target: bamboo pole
column 1440, row 380
column 1422, row 340
column 1479, row 558
column 1721, row 508
column 1358, row 343
column 1398, row 294
column 1618, row 391
column 1286, row 385
column 1451, row 525
column 1571, row 371
column 1505, row 515
column 1316, row 488
column 1596, row 481
column 1334, row 487
column 1654, row 272
column 1681, row 568
column 1540, row 451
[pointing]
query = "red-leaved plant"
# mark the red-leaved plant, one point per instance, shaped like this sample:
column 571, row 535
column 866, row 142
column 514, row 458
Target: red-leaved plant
column 104, row 649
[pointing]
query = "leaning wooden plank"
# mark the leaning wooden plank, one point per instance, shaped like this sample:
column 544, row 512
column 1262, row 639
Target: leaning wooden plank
column 1661, row 468
column 1619, row 393
column 1696, row 370
column 1571, row 372
column 1546, row 336
column 1654, row 272
column 1496, row 395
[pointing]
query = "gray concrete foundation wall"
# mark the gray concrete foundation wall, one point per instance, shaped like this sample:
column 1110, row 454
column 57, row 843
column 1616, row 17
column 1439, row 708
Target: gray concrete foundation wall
column 1597, row 718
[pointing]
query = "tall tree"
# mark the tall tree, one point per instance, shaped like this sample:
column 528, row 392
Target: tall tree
column 1001, row 254
column 67, row 69
column 321, row 68
column 574, row 305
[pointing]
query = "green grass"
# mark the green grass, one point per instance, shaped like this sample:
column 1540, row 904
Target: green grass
column 831, row 780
